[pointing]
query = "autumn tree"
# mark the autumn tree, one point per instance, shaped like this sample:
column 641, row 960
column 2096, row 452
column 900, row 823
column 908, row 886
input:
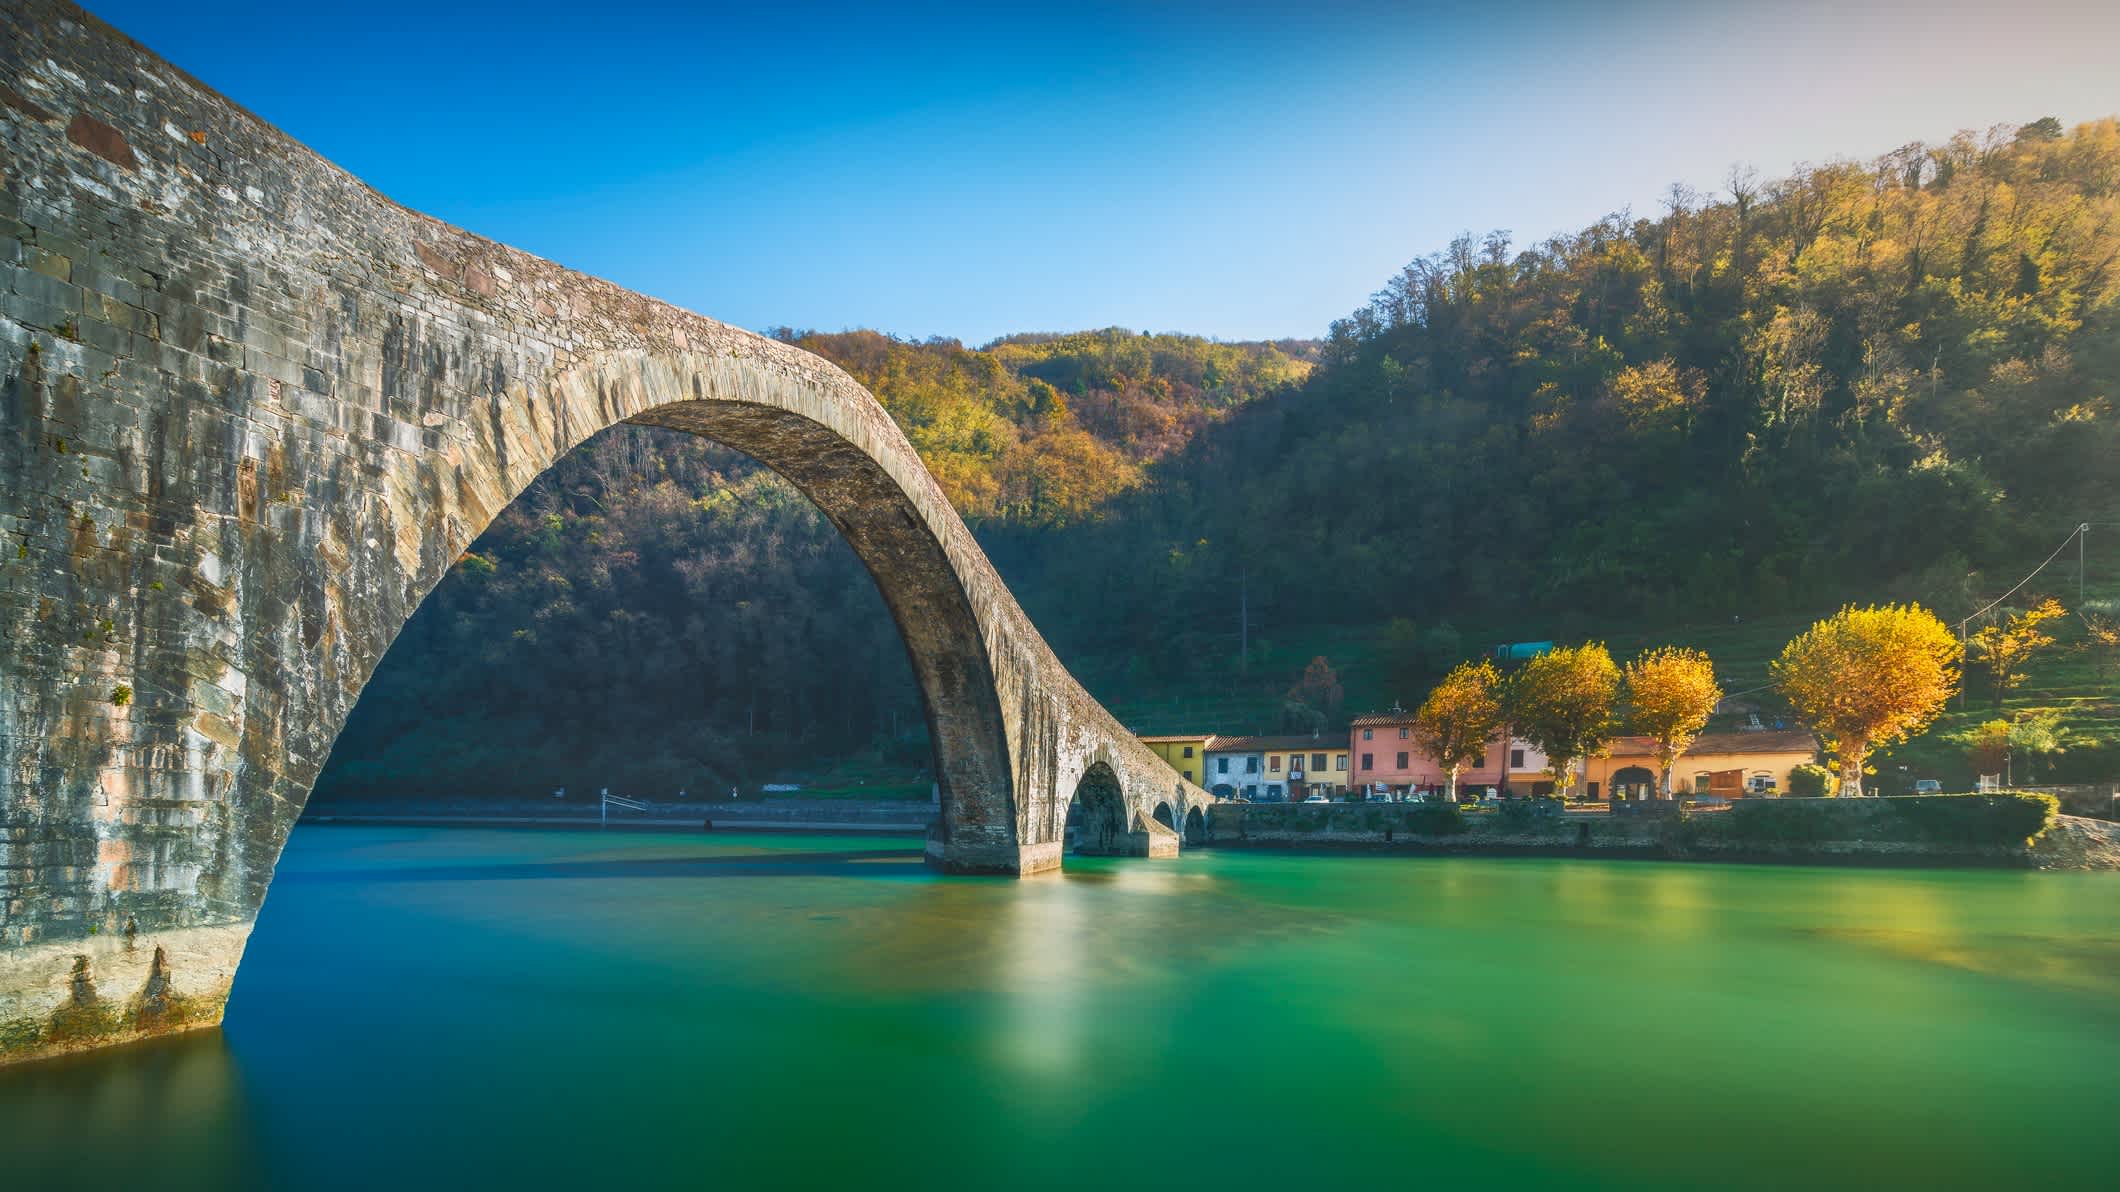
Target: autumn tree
column 2002, row 648
column 1459, row 717
column 1672, row 692
column 1562, row 701
column 1868, row 677
column 1315, row 698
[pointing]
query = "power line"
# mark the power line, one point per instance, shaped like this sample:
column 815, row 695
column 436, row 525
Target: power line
column 2080, row 528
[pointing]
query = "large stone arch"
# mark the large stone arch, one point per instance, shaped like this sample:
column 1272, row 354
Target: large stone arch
column 250, row 413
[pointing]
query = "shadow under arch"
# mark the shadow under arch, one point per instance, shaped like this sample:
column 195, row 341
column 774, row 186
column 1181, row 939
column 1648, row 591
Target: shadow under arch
column 1096, row 815
column 1195, row 827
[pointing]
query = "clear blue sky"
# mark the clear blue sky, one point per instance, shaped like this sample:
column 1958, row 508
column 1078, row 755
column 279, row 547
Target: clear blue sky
column 1232, row 169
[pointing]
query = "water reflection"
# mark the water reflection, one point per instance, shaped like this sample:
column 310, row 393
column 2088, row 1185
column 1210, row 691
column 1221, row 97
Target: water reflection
column 174, row 1105
column 469, row 1009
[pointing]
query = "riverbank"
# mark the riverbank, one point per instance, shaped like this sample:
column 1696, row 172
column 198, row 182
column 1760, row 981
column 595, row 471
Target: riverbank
column 2003, row 831
column 836, row 816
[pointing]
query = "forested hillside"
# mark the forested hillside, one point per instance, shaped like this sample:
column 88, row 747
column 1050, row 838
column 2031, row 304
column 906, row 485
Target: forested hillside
column 1867, row 380
column 1863, row 380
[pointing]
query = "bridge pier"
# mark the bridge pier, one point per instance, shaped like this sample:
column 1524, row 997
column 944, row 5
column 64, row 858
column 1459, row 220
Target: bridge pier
column 1003, row 860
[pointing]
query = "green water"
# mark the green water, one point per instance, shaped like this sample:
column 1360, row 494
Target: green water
column 461, row 1008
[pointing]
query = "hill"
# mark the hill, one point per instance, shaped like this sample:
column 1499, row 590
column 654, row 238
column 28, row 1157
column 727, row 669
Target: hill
column 1892, row 379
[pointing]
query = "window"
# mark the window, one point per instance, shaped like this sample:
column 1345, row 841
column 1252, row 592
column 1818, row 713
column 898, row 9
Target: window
column 1317, row 761
column 1402, row 734
column 1221, row 765
column 1516, row 759
column 1480, row 762
column 1402, row 761
column 1274, row 763
column 1188, row 751
column 1251, row 792
column 1369, row 761
column 1339, row 762
column 1702, row 782
column 1368, row 734
column 1251, row 764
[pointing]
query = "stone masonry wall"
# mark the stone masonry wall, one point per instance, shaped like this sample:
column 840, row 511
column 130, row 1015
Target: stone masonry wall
column 251, row 411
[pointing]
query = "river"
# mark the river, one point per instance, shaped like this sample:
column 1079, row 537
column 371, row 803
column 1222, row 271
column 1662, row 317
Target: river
column 465, row 1008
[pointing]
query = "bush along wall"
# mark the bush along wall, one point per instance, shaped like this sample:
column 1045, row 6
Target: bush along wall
column 1941, row 829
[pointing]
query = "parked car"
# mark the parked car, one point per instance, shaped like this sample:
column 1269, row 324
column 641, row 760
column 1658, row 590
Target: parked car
column 1317, row 799
column 1927, row 786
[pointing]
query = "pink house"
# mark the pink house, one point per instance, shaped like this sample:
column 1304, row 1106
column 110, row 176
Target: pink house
column 1387, row 759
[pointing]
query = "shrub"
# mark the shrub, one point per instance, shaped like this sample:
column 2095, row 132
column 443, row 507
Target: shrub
column 1780, row 821
column 1810, row 781
column 1523, row 813
column 1434, row 819
column 1972, row 819
column 1957, row 820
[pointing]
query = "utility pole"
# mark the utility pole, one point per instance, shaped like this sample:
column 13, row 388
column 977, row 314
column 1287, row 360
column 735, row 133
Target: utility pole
column 2082, row 532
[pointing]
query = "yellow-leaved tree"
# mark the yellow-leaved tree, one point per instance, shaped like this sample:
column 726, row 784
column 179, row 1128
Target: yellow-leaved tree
column 1672, row 691
column 1458, row 718
column 1561, row 701
column 2003, row 648
column 1868, row 677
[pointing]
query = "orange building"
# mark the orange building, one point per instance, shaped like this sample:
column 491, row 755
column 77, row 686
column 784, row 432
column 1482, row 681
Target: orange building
column 1730, row 764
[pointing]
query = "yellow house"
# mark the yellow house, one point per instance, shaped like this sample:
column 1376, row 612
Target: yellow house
column 1185, row 752
column 1733, row 764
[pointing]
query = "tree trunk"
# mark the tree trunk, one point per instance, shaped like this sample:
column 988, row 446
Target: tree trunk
column 1851, row 773
column 1451, row 797
column 1664, row 781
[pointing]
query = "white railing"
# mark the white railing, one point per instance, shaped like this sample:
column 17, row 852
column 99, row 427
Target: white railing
column 603, row 807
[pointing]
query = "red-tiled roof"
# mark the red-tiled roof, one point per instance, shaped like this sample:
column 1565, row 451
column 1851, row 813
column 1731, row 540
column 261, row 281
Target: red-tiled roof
column 1373, row 718
column 1725, row 744
column 1326, row 742
column 1170, row 737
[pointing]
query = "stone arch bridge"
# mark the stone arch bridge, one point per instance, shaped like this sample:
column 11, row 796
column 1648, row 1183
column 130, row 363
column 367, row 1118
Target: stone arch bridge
column 250, row 412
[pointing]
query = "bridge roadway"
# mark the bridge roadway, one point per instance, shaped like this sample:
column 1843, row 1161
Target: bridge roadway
column 251, row 411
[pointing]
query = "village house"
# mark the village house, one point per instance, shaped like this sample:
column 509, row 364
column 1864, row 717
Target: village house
column 1274, row 769
column 1733, row 765
column 1388, row 762
column 1185, row 752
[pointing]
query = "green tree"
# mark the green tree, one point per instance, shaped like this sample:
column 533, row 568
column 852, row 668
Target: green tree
column 2034, row 736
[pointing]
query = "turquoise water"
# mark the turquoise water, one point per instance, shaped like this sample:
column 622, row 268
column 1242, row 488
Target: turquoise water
column 468, row 1008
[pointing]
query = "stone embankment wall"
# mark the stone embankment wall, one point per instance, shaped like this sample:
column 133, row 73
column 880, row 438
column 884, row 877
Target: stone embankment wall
column 1948, row 830
column 896, row 815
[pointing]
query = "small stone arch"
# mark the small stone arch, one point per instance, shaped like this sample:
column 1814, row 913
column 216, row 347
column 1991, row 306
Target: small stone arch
column 1096, row 814
column 1166, row 817
column 1195, row 828
column 1632, row 782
